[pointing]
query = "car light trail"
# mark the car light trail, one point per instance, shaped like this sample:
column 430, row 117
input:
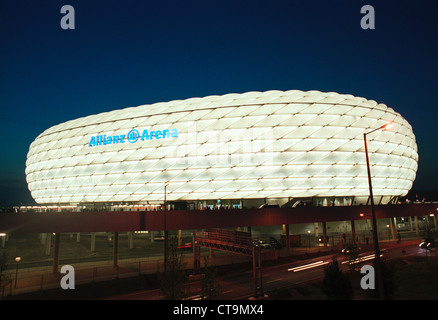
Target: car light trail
column 308, row 266
column 360, row 259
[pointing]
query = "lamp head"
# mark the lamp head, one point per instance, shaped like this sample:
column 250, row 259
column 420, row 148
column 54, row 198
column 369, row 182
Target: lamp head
column 388, row 126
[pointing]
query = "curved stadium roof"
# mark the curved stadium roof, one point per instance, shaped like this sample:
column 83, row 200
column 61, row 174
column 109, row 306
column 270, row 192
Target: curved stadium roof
column 272, row 144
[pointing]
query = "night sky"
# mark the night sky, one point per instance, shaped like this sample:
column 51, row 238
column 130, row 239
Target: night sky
column 129, row 53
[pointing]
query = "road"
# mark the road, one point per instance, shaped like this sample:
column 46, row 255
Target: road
column 240, row 286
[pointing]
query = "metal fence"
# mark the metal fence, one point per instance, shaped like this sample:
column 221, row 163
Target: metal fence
column 42, row 278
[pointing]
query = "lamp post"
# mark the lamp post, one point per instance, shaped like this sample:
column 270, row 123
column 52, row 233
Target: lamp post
column 166, row 233
column 377, row 260
column 17, row 260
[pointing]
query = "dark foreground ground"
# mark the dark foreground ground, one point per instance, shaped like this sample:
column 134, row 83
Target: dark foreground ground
column 415, row 278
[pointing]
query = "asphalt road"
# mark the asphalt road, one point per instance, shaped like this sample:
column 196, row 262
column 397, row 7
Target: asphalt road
column 240, row 286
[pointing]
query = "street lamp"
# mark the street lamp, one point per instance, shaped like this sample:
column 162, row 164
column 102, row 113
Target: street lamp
column 166, row 233
column 17, row 260
column 378, row 264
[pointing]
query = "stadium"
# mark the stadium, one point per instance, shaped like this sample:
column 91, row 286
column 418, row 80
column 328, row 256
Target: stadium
column 286, row 169
column 274, row 148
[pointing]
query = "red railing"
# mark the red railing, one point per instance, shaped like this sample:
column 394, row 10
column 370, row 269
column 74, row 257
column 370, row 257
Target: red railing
column 229, row 236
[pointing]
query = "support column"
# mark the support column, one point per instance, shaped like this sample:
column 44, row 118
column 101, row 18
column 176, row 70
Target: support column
column 435, row 219
column 3, row 240
column 324, row 233
column 78, row 237
column 353, row 231
column 116, row 250
column 179, row 237
column 316, row 228
column 417, row 227
column 131, row 239
column 48, row 243
column 56, row 252
column 257, row 271
column 196, row 257
column 93, row 242
column 286, row 235
column 393, row 228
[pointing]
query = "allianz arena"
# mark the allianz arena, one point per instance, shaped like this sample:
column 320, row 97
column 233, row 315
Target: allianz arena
column 255, row 148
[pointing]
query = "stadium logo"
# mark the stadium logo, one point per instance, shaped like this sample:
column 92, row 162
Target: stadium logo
column 132, row 137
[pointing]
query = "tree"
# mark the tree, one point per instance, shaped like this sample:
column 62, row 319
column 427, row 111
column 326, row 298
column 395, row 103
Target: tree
column 173, row 279
column 209, row 287
column 336, row 284
column 5, row 277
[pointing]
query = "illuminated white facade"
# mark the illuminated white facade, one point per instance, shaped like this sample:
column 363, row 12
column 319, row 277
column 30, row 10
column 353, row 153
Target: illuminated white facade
column 269, row 145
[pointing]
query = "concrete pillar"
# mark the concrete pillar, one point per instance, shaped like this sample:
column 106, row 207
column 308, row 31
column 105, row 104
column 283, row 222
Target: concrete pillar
column 3, row 240
column 411, row 224
column 179, row 237
column 370, row 224
column 42, row 238
column 78, row 237
column 353, row 231
column 196, row 259
column 417, row 227
column 286, row 235
column 56, row 252
column 116, row 250
column 131, row 239
column 152, row 236
column 324, row 233
column 48, row 243
column 435, row 219
column 393, row 228
column 316, row 228
column 93, row 242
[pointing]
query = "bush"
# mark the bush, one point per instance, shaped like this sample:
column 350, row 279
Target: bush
column 336, row 284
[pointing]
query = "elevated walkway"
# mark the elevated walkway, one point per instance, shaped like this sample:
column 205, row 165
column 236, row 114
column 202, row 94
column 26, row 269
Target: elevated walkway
column 113, row 221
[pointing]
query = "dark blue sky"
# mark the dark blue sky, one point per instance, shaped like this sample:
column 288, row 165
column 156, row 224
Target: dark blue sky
column 128, row 53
